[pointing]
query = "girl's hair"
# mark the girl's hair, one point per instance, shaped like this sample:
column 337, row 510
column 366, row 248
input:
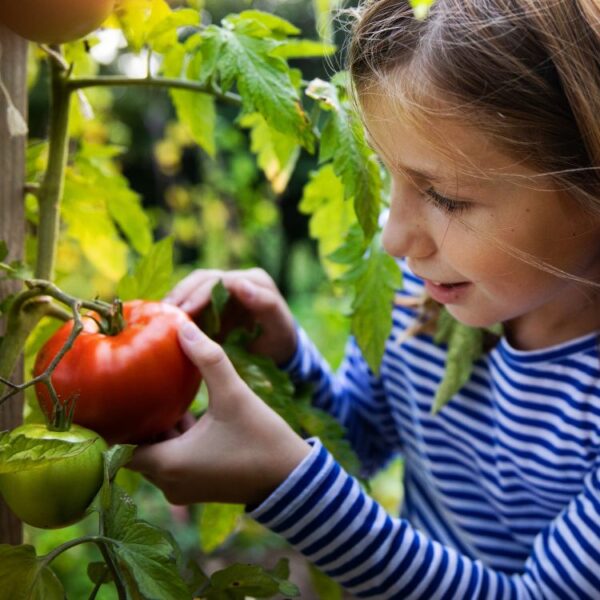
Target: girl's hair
column 524, row 72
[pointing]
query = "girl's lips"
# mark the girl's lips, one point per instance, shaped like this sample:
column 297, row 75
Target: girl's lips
column 446, row 293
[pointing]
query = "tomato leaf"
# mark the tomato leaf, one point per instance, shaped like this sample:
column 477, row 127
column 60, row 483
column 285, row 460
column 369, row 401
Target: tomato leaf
column 248, row 580
column 331, row 216
column 146, row 555
column 465, row 346
column 240, row 53
column 21, row 452
column 374, row 277
column 277, row 154
column 211, row 318
column 216, row 523
column 152, row 276
column 25, row 577
column 343, row 142
column 115, row 457
column 274, row 386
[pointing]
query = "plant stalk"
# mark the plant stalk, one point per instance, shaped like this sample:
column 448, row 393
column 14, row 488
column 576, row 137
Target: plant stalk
column 51, row 190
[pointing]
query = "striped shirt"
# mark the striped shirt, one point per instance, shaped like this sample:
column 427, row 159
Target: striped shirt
column 502, row 486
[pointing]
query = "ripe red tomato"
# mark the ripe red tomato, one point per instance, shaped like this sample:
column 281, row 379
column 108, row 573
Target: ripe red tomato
column 55, row 494
column 54, row 21
column 129, row 386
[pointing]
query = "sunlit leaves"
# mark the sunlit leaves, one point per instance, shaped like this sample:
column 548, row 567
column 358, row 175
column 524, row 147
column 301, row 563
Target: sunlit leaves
column 331, row 215
column 152, row 276
column 343, row 143
column 276, row 153
column 97, row 204
column 152, row 22
column 240, row 53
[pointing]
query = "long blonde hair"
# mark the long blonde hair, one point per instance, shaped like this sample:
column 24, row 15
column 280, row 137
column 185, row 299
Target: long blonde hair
column 524, row 72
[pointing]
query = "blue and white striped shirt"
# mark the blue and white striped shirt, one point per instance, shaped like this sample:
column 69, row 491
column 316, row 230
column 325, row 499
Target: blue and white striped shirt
column 502, row 486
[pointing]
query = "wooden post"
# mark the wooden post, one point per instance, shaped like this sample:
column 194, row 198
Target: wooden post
column 13, row 68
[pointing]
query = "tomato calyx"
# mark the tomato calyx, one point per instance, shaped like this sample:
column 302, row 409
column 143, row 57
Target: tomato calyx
column 112, row 321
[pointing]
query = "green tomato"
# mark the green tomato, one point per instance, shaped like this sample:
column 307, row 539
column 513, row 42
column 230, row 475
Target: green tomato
column 57, row 493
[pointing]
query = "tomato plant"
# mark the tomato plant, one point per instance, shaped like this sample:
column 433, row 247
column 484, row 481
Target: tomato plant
column 57, row 493
column 128, row 386
column 54, row 21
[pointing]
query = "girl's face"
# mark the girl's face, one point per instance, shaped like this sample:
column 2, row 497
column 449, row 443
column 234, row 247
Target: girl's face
column 468, row 224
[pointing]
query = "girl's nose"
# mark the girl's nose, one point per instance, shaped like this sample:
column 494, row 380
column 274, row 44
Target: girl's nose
column 405, row 233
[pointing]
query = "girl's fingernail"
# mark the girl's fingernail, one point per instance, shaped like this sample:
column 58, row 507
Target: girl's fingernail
column 190, row 332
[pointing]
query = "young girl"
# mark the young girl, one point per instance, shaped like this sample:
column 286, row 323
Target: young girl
column 487, row 116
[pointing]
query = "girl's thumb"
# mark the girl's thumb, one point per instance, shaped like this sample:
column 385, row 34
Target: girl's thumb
column 210, row 358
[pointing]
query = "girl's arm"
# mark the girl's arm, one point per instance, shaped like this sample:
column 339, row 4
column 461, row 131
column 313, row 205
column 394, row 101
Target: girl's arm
column 325, row 514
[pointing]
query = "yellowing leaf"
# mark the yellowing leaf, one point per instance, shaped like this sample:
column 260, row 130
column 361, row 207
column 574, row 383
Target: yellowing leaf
column 138, row 18
column 277, row 153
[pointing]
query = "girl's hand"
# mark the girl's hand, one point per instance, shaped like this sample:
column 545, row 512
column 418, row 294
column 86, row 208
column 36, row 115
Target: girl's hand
column 239, row 451
column 255, row 299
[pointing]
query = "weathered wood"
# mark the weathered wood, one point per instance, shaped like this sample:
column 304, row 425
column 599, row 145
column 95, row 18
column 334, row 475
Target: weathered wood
column 13, row 68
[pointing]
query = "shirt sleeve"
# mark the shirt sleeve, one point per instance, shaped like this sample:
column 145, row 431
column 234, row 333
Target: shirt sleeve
column 325, row 514
column 354, row 396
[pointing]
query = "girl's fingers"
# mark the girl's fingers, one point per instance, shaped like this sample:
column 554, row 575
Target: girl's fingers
column 187, row 290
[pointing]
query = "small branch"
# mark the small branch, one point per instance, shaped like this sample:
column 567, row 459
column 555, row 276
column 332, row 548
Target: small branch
column 118, row 580
column 158, row 82
column 45, row 377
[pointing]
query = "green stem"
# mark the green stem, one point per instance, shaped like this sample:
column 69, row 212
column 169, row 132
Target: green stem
column 51, row 190
column 159, row 82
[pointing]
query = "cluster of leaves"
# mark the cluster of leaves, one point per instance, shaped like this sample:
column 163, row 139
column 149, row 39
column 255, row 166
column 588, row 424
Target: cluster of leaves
column 141, row 559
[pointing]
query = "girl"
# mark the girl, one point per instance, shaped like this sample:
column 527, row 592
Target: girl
column 487, row 116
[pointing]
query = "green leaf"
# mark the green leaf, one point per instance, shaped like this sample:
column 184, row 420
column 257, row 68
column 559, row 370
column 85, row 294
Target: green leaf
column 374, row 277
column 304, row 49
column 211, row 317
column 267, row 381
column 18, row 452
column 25, row 577
column 217, row 523
column 138, row 18
column 243, row 580
column 115, row 457
column 197, row 111
column 146, row 555
column 273, row 386
column 152, row 277
column 465, row 346
column 331, row 216
column 277, row 154
column 3, row 250
column 273, row 25
column 239, row 54
column 324, row 585
column 343, row 142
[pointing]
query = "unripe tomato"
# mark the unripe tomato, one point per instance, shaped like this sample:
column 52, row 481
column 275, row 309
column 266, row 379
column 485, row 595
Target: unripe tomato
column 130, row 386
column 54, row 21
column 57, row 493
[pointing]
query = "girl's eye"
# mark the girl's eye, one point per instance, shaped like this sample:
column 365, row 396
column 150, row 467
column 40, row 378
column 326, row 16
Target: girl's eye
column 447, row 204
